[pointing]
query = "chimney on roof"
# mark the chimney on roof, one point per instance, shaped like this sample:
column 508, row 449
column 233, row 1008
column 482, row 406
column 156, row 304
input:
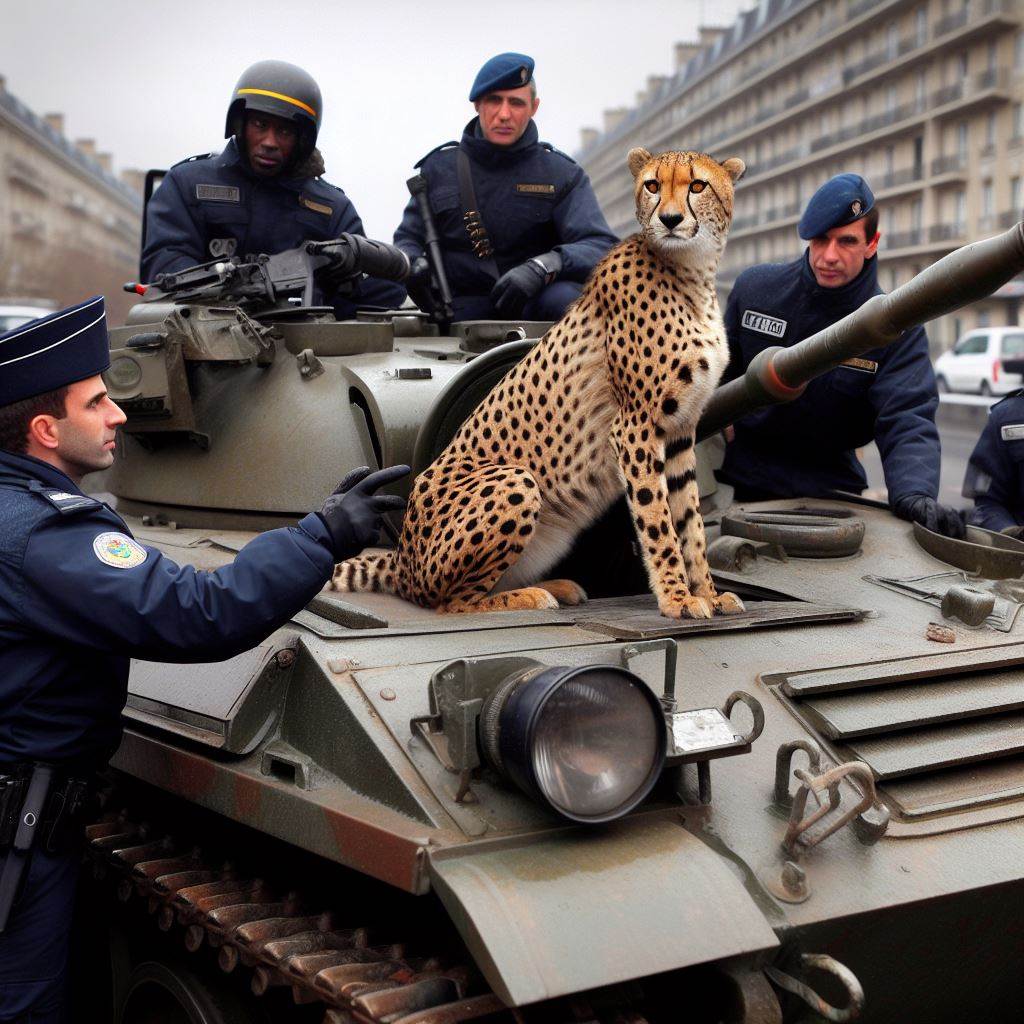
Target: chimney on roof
column 87, row 147
column 106, row 161
column 684, row 52
column 613, row 118
column 588, row 137
column 134, row 179
column 56, row 122
column 709, row 33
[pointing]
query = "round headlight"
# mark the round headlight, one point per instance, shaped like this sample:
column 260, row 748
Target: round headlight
column 123, row 376
column 589, row 742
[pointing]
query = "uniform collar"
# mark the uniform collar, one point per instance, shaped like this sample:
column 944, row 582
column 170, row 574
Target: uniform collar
column 851, row 295
column 27, row 467
column 486, row 152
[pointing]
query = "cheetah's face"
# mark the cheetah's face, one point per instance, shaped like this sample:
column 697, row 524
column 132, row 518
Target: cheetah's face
column 683, row 199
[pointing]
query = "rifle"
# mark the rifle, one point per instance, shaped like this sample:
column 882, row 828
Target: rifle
column 439, row 293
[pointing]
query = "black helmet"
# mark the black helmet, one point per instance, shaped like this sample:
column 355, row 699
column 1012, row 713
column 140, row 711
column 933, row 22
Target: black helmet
column 282, row 89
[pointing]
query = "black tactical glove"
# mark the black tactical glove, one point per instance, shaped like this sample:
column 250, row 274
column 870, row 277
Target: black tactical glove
column 513, row 290
column 919, row 508
column 352, row 513
column 420, row 285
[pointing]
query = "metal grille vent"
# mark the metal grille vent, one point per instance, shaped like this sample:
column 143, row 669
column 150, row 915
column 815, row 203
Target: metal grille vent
column 942, row 732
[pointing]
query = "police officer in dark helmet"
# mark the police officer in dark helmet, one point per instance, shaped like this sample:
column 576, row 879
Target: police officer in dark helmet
column 807, row 447
column 995, row 471
column 519, row 224
column 79, row 597
column 263, row 194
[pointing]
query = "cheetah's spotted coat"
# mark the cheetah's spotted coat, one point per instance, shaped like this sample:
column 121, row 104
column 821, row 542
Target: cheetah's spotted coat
column 607, row 402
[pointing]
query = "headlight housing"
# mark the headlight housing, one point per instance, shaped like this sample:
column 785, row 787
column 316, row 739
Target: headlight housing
column 589, row 742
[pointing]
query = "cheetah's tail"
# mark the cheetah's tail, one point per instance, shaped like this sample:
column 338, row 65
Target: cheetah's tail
column 366, row 573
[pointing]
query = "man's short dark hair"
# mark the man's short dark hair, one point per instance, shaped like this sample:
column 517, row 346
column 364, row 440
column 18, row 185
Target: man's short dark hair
column 15, row 418
column 870, row 224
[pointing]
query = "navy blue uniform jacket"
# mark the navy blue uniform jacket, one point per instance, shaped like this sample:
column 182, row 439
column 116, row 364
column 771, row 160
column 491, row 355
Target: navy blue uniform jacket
column 995, row 472
column 215, row 206
column 533, row 200
column 807, row 447
column 70, row 621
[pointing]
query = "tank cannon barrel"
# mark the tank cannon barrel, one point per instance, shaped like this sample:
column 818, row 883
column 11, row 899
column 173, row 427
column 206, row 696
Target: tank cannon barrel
column 781, row 374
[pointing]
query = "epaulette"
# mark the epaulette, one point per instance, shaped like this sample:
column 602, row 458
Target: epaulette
column 62, row 501
column 437, row 149
column 1012, row 394
column 551, row 149
column 193, row 159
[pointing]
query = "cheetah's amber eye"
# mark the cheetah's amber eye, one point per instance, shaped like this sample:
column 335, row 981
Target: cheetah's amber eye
column 698, row 186
column 652, row 186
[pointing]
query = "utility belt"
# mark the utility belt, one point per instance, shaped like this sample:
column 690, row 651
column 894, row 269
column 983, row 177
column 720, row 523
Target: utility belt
column 66, row 805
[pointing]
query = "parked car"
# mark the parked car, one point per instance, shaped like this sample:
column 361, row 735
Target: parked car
column 976, row 362
column 15, row 316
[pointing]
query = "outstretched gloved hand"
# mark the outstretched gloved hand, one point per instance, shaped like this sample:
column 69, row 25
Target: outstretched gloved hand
column 352, row 513
column 919, row 508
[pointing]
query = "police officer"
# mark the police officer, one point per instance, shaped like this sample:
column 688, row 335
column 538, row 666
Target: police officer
column 807, row 447
column 995, row 471
column 263, row 194
column 519, row 224
column 79, row 597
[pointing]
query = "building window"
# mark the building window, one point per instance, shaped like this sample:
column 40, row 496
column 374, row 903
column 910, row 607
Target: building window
column 1018, row 50
column 987, row 199
column 892, row 41
column 921, row 26
column 959, row 209
column 1018, row 120
column 961, row 66
column 990, row 130
column 984, row 318
column 991, row 62
column 916, row 210
column 961, row 140
column 1015, row 196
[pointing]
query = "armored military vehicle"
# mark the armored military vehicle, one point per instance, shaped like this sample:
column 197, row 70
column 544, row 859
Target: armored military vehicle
column 811, row 809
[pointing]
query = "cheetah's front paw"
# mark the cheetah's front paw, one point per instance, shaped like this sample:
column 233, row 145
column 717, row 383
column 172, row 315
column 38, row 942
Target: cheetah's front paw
column 686, row 608
column 727, row 604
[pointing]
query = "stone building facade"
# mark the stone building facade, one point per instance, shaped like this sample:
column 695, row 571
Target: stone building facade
column 924, row 98
column 69, row 228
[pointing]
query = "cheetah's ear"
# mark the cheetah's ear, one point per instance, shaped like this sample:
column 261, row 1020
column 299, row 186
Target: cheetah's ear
column 637, row 160
column 735, row 167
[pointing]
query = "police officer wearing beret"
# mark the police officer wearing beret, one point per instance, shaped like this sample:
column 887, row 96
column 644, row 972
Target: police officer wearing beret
column 519, row 224
column 995, row 471
column 807, row 447
column 79, row 597
column 263, row 194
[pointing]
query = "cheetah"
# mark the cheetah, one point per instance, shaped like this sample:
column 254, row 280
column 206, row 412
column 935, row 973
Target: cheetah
column 606, row 403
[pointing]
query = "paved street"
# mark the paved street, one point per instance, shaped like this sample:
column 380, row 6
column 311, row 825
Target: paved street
column 961, row 419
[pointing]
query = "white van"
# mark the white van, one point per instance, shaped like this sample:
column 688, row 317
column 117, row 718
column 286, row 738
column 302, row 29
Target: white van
column 15, row 316
column 975, row 362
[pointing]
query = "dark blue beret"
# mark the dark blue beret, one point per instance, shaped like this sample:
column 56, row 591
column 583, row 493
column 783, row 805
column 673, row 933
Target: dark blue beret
column 55, row 350
column 506, row 71
column 841, row 200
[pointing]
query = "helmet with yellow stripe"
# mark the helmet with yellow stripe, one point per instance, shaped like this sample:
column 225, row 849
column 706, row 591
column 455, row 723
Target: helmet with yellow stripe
column 282, row 89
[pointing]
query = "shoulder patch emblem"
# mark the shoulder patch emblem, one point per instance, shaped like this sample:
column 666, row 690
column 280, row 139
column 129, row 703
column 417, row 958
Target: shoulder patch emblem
column 119, row 550
column 1012, row 431
column 221, row 247
column 536, row 190
column 219, row 193
column 312, row 204
column 763, row 323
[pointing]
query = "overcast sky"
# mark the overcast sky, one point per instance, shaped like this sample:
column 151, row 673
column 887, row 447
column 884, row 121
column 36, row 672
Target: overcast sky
column 150, row 82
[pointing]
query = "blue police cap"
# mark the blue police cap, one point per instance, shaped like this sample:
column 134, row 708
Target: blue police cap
column 55, row 350
column 841, row 200
column 505, row 71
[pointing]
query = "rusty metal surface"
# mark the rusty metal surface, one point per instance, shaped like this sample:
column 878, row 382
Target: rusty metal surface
column 991, row 555
column 943, row 747
column 538, row 913
column 861, row 713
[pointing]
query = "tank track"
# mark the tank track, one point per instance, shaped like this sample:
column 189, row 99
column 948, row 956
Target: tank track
column 281, row 939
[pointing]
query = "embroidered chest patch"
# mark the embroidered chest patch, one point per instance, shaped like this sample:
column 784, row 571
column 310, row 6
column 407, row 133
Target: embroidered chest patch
column 312, row 204
column 864, row 365
column 536, row 190
column 1012, row 431
column 763, row 323
column 219, row 193
column 119, row 550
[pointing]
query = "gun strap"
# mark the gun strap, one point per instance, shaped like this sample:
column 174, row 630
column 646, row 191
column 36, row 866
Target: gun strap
column 471, row 214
